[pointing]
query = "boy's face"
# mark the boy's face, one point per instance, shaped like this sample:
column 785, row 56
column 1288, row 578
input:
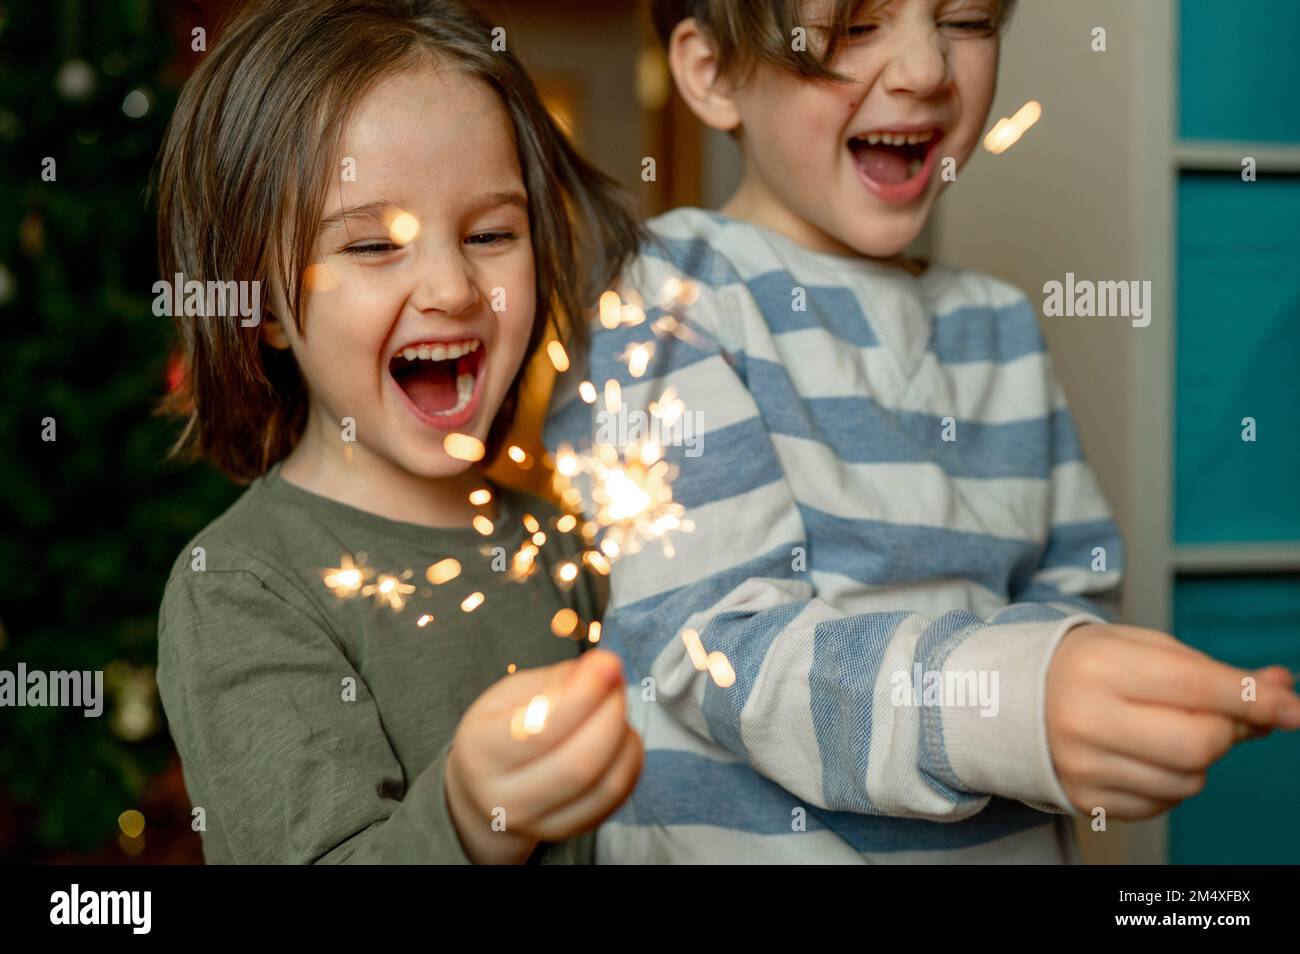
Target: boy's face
column 421, row 301
column 856, row 166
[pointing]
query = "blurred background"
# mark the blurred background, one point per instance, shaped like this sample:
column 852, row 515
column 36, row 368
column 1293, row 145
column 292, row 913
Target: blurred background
column 1134, row 172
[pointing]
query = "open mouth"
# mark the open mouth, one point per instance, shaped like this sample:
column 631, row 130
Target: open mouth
column 440, row 378
column 896, row 165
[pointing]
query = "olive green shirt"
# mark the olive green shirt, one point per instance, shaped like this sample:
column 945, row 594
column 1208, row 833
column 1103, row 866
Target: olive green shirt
column 314, row 728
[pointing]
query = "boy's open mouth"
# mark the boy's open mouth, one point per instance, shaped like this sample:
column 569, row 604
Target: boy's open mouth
column 439, row 378
column 896, row 164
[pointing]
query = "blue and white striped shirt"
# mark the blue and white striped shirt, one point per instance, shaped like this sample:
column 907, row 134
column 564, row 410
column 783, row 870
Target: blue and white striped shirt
column 888, row 486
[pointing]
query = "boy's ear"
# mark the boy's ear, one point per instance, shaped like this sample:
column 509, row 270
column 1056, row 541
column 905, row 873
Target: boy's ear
column 274, row 333
column 693, row 59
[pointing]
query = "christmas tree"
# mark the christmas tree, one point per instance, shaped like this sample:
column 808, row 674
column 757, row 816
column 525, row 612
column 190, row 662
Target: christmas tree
column 93, row 513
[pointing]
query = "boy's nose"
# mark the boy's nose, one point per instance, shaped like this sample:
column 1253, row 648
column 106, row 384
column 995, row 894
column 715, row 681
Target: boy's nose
column 919, row 64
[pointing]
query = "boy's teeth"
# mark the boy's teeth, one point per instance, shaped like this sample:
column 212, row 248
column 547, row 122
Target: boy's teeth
column 898, row 139
column 464, row 391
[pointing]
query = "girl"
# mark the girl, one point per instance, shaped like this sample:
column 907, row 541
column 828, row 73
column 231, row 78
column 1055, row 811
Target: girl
column 330, row 679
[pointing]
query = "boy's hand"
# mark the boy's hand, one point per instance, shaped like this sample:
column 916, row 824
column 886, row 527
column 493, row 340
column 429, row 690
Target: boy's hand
column 1134, row 717
column 554, row 783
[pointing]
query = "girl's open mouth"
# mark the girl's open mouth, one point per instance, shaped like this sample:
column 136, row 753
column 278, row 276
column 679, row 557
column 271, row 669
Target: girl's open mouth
column 896, row 166
column 441, row 379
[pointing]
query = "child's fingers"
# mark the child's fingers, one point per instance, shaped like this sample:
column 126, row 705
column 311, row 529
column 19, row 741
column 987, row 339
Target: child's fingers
column 575, row 763
column 599, row 802
column 1170, row 737
column 1140, row 777
column 1207, row 685
column 538, row 720
column 1126, row 805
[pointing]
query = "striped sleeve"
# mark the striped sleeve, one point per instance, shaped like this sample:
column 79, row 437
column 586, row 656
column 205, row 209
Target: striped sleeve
column 824, row 703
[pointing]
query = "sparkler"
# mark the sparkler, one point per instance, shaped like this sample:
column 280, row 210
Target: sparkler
column 390, row 591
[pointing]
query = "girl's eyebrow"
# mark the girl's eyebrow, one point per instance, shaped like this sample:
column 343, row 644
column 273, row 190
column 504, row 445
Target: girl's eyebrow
column 370, row 210
column 376, row 209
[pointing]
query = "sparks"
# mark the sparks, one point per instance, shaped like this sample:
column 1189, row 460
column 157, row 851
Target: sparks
column 481, row 496
column 472, row 602
column 347, row 579
column 442, row 571
column 1007, row 132
column 390, row 591
column 464, row 447
column 564, row 622
column 559, row 357
column 631, row 496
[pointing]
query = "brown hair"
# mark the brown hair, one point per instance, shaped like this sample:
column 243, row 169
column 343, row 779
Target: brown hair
column 244, row 167
column 749, row 32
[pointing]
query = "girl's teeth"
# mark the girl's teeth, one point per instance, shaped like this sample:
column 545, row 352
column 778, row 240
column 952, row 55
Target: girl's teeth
column 440, row 352
column 464, row 391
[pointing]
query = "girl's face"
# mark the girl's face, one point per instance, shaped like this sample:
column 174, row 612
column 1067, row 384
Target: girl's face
column 421, row 293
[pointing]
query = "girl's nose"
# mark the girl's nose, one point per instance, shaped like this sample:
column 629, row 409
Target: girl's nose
column 446, row 285
column 919, row 64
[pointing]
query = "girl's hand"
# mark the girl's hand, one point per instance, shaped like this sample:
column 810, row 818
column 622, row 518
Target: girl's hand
column 1134, row 717
column 551, row 784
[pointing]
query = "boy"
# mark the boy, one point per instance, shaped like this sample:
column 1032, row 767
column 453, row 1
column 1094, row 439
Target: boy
column 897, row 544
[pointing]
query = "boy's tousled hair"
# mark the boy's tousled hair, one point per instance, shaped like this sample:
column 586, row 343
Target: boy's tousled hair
column 749, row 32
column 244, row 169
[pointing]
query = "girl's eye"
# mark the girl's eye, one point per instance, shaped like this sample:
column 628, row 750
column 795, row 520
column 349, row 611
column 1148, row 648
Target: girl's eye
column 859, row 30
column 376, row 248
column 490, row 238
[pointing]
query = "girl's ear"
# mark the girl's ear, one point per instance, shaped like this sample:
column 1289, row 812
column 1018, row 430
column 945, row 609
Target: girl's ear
column 275, row 334
column 693, row 59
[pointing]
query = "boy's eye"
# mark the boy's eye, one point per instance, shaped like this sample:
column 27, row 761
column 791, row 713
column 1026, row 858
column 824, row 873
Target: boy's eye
column 971, row 27
column 490, row 238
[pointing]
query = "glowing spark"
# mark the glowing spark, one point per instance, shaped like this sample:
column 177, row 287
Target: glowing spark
column 472, row 602
column 631, row 315
column 559, row 357
column 672, row 288
column 511, row 668
column 566, row 523
column 611, row 309
column 424, row 620
column 689, row 294
column 613, row 396
column 668, row 408
column 531, row 720
column 539, row 538
column 318, row 278
column 596, row 560
column 479, row 497
column 631, row 497
column 720, row 669
column 566, row 462
column 389, row 591
column 695, row 649
column 442, row 571
column 131, row 822
column 1007, row 132
column 564, row 622
column 587, row 391
column 522, row 565
column 517, row 454
column 403, row 227
column 567, row 572
column 463, row 447
column 638, row 358
column 593, row 632
column 483, row 525
column 531, row 523
column 346, row 580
